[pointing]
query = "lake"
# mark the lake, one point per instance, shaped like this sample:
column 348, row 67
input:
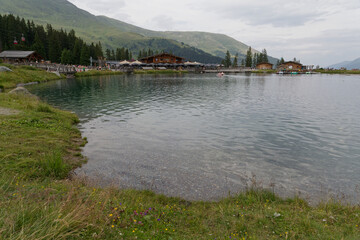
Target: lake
column 202, row 137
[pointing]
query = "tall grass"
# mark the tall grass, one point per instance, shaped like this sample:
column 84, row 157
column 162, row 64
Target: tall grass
column 54, row 166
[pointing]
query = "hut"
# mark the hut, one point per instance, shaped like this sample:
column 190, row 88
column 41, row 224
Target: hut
column 291, row 66
column 20, row 56
column 264, row 66
column 165, row 58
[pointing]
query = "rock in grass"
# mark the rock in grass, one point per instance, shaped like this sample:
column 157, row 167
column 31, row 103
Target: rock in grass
column 21, row 91
column 5, row 69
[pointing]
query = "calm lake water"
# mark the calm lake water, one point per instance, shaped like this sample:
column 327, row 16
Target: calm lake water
column 203, row 137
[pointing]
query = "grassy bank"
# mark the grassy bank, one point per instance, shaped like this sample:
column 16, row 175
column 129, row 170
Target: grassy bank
column 338, row 71
column 268, row 71
column 97, row 73
column 39, row 145
column 24, row 74
column 166, row 71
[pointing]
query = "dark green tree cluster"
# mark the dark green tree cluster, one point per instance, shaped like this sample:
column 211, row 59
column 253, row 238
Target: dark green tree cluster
column 227, row 60
column 252, row 60
column 54, row 45
column 143, row 53
column 118, row 54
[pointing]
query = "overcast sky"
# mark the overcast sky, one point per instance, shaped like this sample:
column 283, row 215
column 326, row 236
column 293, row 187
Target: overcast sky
column 315, row 31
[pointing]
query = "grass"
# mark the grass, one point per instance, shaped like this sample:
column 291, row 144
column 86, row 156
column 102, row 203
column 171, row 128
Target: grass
column 338, row 71
column 40, row 199
column 23, row 74
column 271, row 71
column 97, row 73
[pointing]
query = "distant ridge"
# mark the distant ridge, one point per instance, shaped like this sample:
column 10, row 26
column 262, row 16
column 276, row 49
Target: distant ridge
column 349, row 65
column 197, row 46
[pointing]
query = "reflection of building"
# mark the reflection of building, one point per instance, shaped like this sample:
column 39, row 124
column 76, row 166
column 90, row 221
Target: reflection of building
column 163, row 58
column 291, row 66
column 20, row 56
column 264, row 66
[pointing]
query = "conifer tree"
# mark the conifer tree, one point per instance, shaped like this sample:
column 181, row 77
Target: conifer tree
column 38, row 46
column 76, row 52
column 227, row 60
column 248, row 59
column 265, row 56
column 235, row 62
column 85, row 55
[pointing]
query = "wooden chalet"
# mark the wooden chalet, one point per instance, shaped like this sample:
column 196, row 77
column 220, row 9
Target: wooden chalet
column 291, row 66
column 264, row 66
column 165, row 58
column 20, row 56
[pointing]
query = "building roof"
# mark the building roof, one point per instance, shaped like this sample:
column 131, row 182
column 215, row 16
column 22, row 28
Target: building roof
column 16, row 54
column 292, row 62
column 161, row 54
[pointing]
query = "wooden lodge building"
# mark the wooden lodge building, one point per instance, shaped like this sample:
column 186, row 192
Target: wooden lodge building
column 264, row 66
column 291, row 66
column 20, row 56
column 165, row 58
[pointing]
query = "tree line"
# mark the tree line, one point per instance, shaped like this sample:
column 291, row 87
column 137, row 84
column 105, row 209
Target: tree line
column 251, row 59
column 54, row 45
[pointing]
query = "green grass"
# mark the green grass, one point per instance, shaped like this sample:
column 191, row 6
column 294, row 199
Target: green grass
column 269, row 71
column 97, row 73
column 23, row 74
column 338, row 71
column 38, row 200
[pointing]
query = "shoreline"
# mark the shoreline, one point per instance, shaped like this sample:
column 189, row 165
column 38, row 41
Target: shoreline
column 39, row 147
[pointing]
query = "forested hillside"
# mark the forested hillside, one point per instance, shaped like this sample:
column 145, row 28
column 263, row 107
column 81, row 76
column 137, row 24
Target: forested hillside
column 54, row 45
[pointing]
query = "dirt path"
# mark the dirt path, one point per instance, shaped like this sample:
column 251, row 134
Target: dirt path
column 7, row 111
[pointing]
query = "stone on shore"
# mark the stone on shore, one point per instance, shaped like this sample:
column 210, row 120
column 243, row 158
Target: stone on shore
column 5, row 69
column 21, row 91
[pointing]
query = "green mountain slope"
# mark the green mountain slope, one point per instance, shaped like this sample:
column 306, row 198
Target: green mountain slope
column 216, row 44
column 112, row 33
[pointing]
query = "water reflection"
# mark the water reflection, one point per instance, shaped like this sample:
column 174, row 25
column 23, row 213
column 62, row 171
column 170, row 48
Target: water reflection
column 199, row 136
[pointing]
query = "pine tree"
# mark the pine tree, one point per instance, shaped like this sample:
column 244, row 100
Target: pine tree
column 265, row 56
column 38, row 46
column 66, row 56
column 227, row 60
column 54, row 48
column 235, row 62
column 85, row 55
column 76, row 52
column 248, row 59
column 98, row 51
column 242, row 62
column 127, row 56
column 108, row 54
column 255, row 60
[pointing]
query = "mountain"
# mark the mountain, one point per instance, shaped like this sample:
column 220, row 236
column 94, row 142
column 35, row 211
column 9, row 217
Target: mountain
column 355, row 64
column 199, row 46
